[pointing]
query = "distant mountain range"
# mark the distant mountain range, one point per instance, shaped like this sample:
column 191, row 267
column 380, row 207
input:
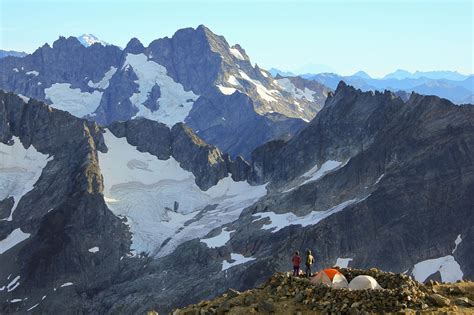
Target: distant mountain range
column 451, row 85
column 6, row 53
column 435, row 75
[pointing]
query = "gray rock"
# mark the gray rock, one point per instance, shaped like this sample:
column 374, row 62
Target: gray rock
column 464, row 301
column 6, row 206
column 439, row 300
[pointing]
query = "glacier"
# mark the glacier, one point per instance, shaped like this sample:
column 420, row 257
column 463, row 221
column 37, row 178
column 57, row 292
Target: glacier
column 20, row 169
column 145, row 190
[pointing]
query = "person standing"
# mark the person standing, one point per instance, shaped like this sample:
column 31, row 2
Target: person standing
column 296, row 263
column 309, row 262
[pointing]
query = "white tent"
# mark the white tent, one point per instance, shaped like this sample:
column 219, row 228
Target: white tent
column 364, row 282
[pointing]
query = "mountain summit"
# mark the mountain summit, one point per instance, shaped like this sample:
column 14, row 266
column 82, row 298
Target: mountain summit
column 89, row 39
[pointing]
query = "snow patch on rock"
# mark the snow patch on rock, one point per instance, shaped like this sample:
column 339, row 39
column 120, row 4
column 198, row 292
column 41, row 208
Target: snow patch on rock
column 174, row 102
column 379, row 179
column 24, row 98
column 343, row 262
column 263, row 92
column 33, row 73
column 13, row 284
column 289, row 87
column 456, row 243
column 233, row 80
column 15, row 237
column 94, row 249
column 33, row 307
column 316, row 173
column 226, row 90
column 236, row 53
column 235, row 259
column 104, row 82
column 279, row 221
column 447, row 266
column 219, row 240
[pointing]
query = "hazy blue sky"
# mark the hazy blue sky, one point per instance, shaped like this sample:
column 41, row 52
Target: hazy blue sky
column 347, row 36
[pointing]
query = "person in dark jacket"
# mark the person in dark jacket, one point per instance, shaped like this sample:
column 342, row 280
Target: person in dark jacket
column 309, row 262
column 296, row 263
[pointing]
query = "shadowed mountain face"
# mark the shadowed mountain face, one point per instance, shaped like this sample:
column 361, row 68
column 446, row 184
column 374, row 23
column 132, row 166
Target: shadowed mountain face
column 128, row 218
column 194, row 77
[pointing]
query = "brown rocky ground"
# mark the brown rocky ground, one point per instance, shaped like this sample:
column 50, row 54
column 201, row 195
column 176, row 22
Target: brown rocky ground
column 285, row 294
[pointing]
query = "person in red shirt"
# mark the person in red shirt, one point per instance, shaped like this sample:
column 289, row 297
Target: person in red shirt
column 296, row 263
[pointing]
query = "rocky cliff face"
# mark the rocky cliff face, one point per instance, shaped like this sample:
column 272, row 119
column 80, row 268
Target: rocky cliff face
column 64, row 214
column 194, row 77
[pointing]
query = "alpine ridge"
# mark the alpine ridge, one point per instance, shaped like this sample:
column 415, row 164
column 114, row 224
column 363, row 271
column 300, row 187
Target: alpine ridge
column 194, row 77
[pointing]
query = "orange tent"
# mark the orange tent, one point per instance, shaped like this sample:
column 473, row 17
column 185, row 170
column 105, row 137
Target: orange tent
column 330, row 277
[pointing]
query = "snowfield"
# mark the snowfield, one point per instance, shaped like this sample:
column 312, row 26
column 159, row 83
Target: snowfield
column 74, row 101
column 174, row 102
column 20, row 169
column 161, row 201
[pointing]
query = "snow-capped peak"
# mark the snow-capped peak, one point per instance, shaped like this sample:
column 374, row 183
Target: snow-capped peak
column 89, row 40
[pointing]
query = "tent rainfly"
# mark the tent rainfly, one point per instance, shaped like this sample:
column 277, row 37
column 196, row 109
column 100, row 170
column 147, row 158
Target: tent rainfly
column 330, row 277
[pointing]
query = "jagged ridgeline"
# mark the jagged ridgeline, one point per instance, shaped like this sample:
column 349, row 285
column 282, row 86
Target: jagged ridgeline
column 193, row 77
column 101, row 213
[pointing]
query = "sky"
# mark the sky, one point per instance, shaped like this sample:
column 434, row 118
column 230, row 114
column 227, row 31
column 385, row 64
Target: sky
column 300, row 36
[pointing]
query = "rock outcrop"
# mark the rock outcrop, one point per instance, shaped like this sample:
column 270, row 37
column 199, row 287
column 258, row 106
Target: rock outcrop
column 285, row 294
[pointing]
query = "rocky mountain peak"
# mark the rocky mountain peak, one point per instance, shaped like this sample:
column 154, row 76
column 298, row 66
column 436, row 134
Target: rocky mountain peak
column 134, row 46
column 67, row 43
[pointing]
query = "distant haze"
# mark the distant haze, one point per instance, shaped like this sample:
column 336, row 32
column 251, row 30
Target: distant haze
column 339, row 36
